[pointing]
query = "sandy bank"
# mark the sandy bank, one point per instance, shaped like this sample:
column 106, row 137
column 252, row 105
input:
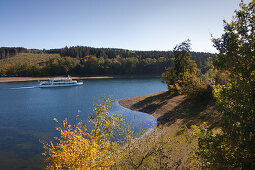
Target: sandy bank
column 169, row 109
column 160, row 105
column 17, row 79
column 173, row 113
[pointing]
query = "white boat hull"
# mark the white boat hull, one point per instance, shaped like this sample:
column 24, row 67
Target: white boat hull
column 61, row 85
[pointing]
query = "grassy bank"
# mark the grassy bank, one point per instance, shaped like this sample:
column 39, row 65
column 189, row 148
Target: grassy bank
column 172, row 114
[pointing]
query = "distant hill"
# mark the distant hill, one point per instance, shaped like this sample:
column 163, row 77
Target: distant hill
column 82, row 60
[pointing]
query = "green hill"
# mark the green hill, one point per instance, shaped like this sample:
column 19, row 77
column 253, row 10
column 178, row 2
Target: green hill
column 84, row 61
column 28, row 58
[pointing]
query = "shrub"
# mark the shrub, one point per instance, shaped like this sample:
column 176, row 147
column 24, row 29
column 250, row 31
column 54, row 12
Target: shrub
column 79, row 148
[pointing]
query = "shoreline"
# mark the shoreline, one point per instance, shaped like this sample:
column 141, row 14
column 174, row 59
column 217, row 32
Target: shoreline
column 172, row 109
column 20, row 79
column 151, row 104
column 173, row 112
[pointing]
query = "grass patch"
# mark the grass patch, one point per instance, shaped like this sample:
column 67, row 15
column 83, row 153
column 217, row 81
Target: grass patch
column 167, row 142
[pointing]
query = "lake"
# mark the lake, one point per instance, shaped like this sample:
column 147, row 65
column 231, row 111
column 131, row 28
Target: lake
column 27, row 112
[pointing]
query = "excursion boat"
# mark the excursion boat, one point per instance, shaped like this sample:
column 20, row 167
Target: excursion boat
column 60, row 82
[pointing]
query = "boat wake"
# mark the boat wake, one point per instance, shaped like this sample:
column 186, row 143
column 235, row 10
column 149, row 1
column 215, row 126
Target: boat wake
column 17, row 88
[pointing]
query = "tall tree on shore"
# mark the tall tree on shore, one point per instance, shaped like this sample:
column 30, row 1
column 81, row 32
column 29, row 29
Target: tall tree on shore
column 182, row 78
column 182, row 59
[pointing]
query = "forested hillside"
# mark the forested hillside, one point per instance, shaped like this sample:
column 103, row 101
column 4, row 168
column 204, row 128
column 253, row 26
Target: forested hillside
column 82, row 60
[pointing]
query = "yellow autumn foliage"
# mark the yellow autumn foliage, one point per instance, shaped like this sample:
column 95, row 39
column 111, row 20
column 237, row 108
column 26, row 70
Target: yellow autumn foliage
column 78, row 148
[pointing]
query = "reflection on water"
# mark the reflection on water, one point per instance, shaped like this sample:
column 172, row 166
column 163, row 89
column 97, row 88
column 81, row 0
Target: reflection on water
column 27, row 112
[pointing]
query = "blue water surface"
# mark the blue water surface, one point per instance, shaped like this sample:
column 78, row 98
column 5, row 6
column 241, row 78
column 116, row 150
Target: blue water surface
column 27, row 112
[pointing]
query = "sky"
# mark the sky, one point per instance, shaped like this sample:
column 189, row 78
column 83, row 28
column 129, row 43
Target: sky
column 126, row 24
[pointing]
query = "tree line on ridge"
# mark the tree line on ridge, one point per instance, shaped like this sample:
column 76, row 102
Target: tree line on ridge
column 82, row 60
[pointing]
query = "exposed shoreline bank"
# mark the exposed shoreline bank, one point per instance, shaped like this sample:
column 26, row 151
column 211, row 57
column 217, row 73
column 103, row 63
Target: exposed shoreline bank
column 173, row 112
column 20, row 79
column 159, row 105
column 170, row 109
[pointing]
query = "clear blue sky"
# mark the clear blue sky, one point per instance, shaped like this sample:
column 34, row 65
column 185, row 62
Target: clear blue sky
column 128, row 24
